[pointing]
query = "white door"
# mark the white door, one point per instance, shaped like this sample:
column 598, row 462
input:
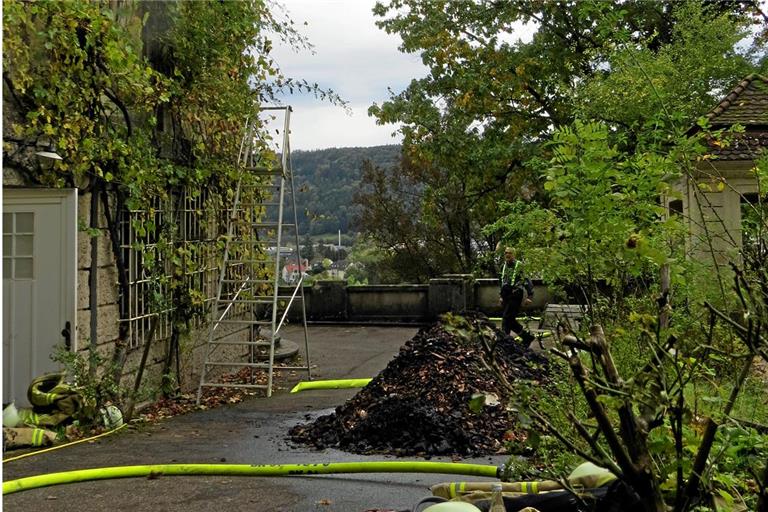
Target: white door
column 39, row 283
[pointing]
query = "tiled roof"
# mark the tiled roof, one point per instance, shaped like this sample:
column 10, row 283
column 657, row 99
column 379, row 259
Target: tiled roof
column 742, row 146
column 746, row 104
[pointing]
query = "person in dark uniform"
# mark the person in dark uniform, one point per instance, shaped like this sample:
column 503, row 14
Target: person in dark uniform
column 513, row 285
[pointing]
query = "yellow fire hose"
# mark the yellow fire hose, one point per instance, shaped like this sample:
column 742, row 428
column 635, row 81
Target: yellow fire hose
column 523, row 318
column 330, row 384
column 83, row 475
column 584, row 476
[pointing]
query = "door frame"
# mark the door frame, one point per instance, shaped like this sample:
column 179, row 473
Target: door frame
column 67, row 198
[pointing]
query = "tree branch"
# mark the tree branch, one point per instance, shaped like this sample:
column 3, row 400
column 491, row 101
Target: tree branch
column 708, row 439
column 605, row 459
column 22, row 102
column 624, row 462
column 569, row 444
column 740, row 329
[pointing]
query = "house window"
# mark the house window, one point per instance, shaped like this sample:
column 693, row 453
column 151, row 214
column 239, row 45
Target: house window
column 18, row 245
column 676, row 207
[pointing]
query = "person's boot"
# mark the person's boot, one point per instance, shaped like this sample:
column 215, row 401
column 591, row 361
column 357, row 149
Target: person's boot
column 527, row 338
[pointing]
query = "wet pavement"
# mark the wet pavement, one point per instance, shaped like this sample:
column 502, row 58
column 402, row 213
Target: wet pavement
column 251, row 432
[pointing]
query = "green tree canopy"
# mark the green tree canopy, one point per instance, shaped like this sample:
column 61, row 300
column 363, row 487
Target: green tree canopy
column 475, row 123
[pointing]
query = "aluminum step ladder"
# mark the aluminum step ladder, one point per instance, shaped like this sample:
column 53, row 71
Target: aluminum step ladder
column 249, row 311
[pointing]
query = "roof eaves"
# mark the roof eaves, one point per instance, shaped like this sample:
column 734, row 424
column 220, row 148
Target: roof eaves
column 727, row 102
column 732, row 96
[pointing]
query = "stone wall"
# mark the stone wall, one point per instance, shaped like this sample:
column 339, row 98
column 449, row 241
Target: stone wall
column 108, row 310
column 107, row 313
column 334, row 301
column 381, row 303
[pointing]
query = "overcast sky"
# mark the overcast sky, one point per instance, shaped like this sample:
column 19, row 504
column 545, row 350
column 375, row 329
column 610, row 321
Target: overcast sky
column 354, row 58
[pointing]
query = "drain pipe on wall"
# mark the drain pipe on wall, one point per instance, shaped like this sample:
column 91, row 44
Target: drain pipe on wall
column 93, row 279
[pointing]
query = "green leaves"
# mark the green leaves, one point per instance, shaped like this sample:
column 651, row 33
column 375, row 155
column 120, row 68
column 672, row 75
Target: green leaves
column 476, row 403
column 603, row 216
column 489, row 104
column 699, row 58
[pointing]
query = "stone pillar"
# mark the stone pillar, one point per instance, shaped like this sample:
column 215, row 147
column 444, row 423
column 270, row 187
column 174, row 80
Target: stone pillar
column 451, row 292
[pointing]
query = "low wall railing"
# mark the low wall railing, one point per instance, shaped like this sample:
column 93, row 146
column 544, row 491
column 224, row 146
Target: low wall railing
column 336, row 301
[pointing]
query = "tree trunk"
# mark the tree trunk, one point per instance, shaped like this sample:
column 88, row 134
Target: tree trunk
column 140, row 372
column 762, row 501
column 664, row 298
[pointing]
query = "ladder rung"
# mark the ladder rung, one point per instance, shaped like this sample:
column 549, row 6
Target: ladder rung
column 266, row 201
column 261, row 170
column 275, row 179
column 240, row 281
column 252, row 241
column 245, row 322
column 269, row 190
column 261, row 186
column 244, row 301
column 265, row 183
column 226, row 335
column 244, row 365
column 231, row 385
column 271, row 197
column 243, row 343
column 260, row 298
column 271, row 224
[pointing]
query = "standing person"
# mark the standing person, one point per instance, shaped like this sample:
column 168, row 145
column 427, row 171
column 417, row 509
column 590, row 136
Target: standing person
column 514, row 283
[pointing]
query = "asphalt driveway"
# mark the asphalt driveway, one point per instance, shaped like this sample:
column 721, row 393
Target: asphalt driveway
column 251, row 432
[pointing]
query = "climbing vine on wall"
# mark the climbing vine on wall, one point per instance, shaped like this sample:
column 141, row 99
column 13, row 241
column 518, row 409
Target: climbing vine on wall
column 143, row 100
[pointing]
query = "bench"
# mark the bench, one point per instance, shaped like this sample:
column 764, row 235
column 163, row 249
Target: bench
column 555, row 315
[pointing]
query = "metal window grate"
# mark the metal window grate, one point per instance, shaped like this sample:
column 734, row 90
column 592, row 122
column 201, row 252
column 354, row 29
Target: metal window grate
column 194, row 226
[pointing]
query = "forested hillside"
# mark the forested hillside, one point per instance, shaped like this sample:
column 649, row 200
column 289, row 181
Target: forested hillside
column 327, row 179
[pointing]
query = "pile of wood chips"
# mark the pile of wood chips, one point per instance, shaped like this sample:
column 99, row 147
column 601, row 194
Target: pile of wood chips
column 425, row 402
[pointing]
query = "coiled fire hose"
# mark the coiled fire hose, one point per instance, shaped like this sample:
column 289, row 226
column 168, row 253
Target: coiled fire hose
column 58, row 447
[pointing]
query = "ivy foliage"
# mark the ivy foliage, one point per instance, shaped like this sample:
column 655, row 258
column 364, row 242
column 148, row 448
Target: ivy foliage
column 147, row 102
column 73, row 80
column 148, row 95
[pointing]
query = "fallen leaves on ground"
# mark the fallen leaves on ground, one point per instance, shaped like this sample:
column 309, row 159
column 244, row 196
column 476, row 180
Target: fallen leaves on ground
column 211, row 397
